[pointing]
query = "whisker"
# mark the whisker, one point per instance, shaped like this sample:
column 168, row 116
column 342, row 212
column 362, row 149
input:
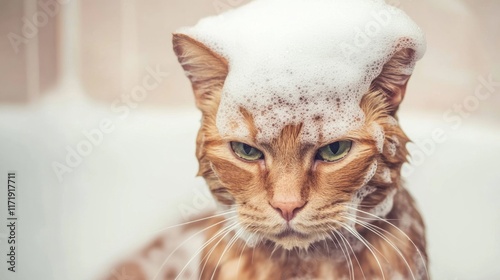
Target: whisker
column 375, row 226
column 241, row 254
column 195, row 221
column 367, row 244
column 326, row 244
column 402, row 232
column 253, row 252
column 275, row 247
column 354, row 254
column 346, row 254
column 220, row 234
column 226, row 248
column 184, row 242
column 390, row 243
column 356, row 258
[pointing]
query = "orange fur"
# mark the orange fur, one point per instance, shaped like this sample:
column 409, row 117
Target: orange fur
column 320, row 245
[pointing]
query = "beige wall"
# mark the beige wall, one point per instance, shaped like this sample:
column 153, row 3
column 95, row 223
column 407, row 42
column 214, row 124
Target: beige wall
column 121, row 38
column 28, row 54
column 463, row 39
column 118, row 40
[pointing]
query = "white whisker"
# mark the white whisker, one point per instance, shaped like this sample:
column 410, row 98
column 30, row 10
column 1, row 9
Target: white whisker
column 224, row 231
column 424, row 263
column 346, row 253
column 226, row 248
column 184, row 242
column 354, row 254
column 365, row 242
column 221, row 233
column 241, row 254
column 389, row 242
column 198, row 220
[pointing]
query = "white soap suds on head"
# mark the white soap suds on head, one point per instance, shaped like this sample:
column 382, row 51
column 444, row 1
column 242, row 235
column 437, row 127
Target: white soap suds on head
column 303, row 61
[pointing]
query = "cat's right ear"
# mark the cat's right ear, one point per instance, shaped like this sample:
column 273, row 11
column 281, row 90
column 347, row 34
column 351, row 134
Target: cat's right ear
column 394, row 77
column 206, row 70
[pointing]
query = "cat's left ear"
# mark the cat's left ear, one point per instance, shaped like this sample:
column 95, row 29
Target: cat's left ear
column 393, row 78
column 206, row 70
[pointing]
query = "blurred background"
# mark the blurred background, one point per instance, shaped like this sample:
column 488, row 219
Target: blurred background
column 98, row 121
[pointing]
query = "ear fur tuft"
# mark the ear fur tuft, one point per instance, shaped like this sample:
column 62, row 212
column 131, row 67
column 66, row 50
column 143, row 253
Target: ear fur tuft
column 205, row 69
column 393, row 80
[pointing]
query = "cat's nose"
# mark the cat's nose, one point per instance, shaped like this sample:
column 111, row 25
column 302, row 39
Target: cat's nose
column 288, row 208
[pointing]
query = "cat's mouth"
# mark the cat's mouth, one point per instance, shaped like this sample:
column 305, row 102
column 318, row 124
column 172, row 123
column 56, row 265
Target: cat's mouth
column 291, row 233
column 290, row 238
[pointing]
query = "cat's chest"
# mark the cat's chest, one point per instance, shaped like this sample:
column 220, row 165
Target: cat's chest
column 261, row 266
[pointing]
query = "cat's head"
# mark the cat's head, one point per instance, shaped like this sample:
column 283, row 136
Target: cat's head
column 288, row 191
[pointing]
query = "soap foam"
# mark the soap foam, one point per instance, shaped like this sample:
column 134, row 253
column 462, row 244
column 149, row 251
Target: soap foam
column 392, row 121
column 378, row 135
column 371, row 172
column 303, row 61
column 362, row 193
column 385, row 206
column 386, row 175
column 392, row 149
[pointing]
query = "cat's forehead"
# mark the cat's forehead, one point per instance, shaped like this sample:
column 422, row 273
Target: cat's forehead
column 298, row 61
column 322, row 111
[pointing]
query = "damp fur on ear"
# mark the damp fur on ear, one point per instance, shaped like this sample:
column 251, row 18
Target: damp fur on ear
column 205, row 69
column 394, row 78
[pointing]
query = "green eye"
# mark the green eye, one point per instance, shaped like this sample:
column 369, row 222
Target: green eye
column 334, row 151
column 246, row 152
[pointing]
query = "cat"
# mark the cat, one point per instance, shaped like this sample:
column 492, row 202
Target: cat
column 294, row 209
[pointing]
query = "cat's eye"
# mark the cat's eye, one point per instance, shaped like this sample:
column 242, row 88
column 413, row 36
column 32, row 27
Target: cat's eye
column 246, row 152
column 334, row 151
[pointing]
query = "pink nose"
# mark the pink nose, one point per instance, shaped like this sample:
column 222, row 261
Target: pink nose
column 288, row 209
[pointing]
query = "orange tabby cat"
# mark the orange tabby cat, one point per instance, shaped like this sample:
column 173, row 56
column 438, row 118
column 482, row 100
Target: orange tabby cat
column 295, row 209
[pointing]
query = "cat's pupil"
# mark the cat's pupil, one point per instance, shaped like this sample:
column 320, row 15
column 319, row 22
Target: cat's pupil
column 335, row 147
column 247, row 149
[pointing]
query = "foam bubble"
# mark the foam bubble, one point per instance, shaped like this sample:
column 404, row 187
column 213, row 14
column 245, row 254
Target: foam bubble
column 356, row 200
column 391, row 148
column 386, row 175
column 378, row 135
column 392, row 121
column 385, row 206
column 371, row 172
column 303, row 61
column 362, row 193
column 396, row 141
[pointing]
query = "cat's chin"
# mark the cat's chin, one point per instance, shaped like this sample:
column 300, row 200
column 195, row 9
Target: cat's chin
column 290, row 240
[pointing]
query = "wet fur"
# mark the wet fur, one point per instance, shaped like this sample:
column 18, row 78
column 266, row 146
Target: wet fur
column 391, row 246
